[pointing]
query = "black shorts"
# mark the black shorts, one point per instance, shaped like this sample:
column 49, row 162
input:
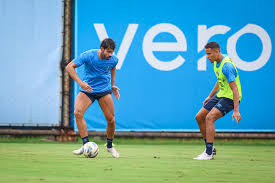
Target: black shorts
column 225, row 105
column 97, row 96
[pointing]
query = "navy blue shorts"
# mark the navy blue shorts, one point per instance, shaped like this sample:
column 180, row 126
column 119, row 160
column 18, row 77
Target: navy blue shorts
column 97, row 96
column 225, row 105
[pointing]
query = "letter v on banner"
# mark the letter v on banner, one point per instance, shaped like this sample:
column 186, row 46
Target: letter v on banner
column 126, row 41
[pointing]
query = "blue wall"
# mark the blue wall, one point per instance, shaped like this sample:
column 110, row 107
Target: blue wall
column 163, row 73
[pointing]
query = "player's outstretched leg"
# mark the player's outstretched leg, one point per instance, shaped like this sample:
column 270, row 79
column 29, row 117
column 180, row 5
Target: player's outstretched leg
column 82, row 102
column 107, row 106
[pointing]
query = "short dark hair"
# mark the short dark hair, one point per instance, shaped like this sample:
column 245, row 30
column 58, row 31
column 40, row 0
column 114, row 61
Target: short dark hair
column 212, row 45
column 108, row 43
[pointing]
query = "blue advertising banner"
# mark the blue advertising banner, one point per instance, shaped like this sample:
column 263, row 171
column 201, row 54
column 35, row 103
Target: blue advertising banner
column 163, row 72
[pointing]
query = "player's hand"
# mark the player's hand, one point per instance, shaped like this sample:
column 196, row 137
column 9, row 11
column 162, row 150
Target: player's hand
column 206, row 100
column 86, row 87
column 115, row 90
column 237, row 116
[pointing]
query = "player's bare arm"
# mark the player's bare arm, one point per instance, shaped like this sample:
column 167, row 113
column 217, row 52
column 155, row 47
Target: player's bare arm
column 70, row 68
column 212, row 93
column 115, row 89
column 236, row 113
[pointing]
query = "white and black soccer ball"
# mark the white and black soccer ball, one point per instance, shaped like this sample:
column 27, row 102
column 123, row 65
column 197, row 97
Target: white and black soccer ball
column 90, row 150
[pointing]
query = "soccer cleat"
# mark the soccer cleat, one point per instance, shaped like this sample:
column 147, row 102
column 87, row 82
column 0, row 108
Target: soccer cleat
column 79, row 151
column 199, row 155
column 214, row 152
column 204, row 156
column 113, row 151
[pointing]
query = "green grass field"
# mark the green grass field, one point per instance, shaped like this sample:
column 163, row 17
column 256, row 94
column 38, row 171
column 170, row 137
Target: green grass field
column 144, row 161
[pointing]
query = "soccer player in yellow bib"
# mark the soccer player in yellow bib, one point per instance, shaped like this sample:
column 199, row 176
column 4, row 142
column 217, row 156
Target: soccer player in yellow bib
column 216, row 105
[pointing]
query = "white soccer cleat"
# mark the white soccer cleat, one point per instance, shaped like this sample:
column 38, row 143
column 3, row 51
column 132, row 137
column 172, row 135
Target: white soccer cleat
column 204, row 156
column 197, row 157
column 214, row 152
column 113, row 152
column 79, row 151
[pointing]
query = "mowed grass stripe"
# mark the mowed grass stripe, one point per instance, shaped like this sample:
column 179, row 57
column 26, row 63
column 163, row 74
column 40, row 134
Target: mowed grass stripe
column 54, row 162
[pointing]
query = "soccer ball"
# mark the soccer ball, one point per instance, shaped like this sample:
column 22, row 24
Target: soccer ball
column 90, row 150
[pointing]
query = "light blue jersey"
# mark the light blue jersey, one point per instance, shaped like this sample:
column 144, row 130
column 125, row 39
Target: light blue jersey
column 229, row 71
column 96, row 71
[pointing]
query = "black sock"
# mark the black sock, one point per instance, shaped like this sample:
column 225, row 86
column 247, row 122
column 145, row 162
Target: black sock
column 209, row 148
column 205, row 141
column 85, row 140
column 109, row 143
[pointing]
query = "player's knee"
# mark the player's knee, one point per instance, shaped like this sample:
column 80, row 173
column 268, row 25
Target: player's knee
column 199, row 118
column 209, row 118
column 78, row 113
column 111, row 120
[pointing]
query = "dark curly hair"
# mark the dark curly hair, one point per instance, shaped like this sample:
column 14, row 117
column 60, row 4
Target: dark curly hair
column 108, row 43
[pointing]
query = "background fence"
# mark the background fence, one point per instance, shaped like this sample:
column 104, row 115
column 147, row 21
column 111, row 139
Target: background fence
column 163, row 73
column 31, row 47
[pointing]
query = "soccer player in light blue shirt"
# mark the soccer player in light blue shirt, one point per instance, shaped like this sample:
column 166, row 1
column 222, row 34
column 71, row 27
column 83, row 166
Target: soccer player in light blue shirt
column 98, row 84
